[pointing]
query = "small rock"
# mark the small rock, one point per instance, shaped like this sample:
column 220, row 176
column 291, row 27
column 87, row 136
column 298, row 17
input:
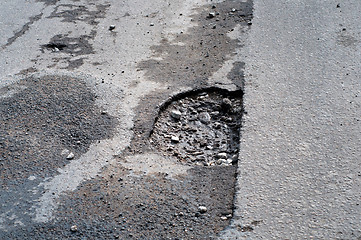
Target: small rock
column 74, row 228
column 224, row 218
column 211, row 14
column 176, row 114
column 151, row 24
column 70, row 156
column 226, row 104
column 222, row 155
column 204, row 118
column 31, row 178
column 175, row 139
column 202, row 209
column 233, row 9
column 111, row 27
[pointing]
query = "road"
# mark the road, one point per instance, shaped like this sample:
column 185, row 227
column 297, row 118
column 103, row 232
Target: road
column 299, row 169
column 121, row 119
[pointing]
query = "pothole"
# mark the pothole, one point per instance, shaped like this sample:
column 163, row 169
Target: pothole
column 200, row 127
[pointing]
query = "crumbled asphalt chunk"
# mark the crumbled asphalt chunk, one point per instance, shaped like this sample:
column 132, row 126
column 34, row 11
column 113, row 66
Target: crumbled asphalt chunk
column 176, row 114
column 70, row 156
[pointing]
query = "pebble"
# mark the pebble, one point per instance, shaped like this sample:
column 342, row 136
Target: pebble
column 70, row 156
column 152, row 24
column 31, row 178
column 74, row 228
column 204, row 118
column 111, row 27
column 202, row 209
column 176, row 114
column 211, row 14
column 175, row 139
column 226, row 104
column 222, row 155
column 224, row 218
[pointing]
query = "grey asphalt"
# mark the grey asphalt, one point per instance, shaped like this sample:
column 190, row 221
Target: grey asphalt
column 300, row 159
column 299, row 170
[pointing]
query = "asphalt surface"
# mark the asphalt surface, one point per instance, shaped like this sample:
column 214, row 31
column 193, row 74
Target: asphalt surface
column 86, row 91
column 299, row 169
column 83, row 84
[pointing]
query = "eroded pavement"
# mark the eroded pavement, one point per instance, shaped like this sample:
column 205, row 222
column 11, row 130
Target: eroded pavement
column 90, row 148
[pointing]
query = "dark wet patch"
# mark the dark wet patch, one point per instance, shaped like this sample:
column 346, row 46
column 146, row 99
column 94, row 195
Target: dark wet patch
column 48, row 2
column 50, row 114
column 73, row 46
column 76, row 46
column 122, row 206
column 74, row 13
column 346, row 40
column 23, row 30
column 236, row 75
column 201, row 127
column 204, row 50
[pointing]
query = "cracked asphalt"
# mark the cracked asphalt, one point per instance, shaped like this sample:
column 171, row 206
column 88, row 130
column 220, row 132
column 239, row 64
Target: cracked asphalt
column 89, row 148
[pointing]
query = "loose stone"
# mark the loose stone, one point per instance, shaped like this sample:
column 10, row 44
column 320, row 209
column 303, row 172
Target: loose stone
column 111, row 27
column 74, row 228
column 212, row 15
column 70, row 156
column 222, row 155
column 202, row 209
column 204, row 118
column 176, row 114
column 175, row 139
column 226, row 104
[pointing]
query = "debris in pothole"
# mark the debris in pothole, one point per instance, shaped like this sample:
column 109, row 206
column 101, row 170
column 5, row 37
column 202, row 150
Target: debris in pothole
column 74, row 228
column 202, row 209
column 201, row 129
column 70, row 156
column 211, row 14
column 176, row 114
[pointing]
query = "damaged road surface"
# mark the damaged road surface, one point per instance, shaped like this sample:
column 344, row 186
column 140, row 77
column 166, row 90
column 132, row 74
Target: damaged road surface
column 170, row 119
column 120, row 119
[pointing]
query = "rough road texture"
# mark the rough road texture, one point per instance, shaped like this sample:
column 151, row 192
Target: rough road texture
column 206, row 131
column 79, row 162
column 299, row 168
